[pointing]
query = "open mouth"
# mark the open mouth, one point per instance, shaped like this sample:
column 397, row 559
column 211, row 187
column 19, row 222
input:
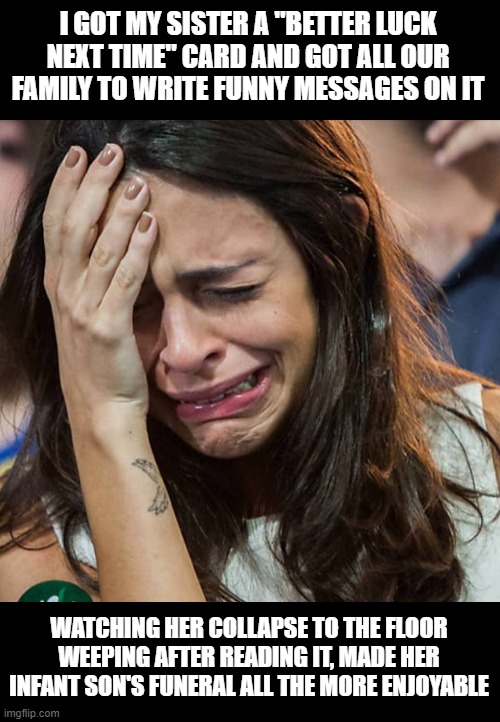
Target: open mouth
column 249, row 383
column 233, row 401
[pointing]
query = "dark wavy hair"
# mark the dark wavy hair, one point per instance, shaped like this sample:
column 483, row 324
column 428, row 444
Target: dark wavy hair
column 363, row 509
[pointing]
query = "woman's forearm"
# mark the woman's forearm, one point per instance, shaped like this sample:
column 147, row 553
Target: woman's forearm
column 141, row 554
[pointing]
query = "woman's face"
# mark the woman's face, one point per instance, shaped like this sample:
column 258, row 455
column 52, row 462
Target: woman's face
column 225, row 323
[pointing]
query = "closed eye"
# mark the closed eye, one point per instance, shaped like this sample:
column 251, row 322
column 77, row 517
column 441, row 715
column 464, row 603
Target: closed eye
column 235, row 293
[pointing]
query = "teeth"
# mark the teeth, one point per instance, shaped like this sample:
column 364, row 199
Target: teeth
column 212, row 401
column 246, row 385
column 249, row 383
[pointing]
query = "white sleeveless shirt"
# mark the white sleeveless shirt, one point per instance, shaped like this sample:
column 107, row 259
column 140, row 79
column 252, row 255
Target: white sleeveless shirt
column 255, row 574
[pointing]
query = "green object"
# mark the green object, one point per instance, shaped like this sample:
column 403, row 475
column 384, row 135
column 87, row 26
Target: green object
column 55, row 591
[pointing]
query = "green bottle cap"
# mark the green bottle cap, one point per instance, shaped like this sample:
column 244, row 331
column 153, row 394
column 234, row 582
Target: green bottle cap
column 55, row 591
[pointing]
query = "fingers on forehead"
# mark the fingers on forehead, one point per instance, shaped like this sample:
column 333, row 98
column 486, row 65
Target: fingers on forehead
column 74, row 174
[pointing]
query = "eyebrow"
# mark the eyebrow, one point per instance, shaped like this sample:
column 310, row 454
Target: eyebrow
column 214, row 273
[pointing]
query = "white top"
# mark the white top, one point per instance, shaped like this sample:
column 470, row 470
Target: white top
column 464, row 456
column 256, row 576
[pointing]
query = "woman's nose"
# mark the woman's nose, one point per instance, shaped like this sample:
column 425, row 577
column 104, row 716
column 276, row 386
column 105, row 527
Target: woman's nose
column 189, row 340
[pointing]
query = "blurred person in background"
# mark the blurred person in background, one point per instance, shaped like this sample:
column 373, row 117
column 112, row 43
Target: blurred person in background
column 18, row 144
column 442, row 182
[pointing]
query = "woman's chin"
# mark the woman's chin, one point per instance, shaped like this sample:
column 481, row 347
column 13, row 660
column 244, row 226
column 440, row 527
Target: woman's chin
column 224, row 443
column 223, row 438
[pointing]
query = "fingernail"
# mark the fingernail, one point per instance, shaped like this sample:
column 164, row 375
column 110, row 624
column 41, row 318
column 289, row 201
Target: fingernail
column 107, row 155
column 145, row 222
column 133, row 189
column 72, row 157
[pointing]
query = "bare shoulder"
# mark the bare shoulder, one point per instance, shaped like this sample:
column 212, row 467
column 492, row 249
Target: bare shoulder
column 21, row 568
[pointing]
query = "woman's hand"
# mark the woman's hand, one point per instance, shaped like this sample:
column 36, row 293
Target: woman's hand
column 97, row 255
column 474, row 147
column 98, row 240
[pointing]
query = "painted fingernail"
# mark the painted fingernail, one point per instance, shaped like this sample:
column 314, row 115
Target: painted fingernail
column 72, row 157
column 134, row 188
column 145, row 222
column 107, row 155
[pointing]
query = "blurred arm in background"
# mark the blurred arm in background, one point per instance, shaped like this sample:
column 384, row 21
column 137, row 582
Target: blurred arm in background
column 442, row 182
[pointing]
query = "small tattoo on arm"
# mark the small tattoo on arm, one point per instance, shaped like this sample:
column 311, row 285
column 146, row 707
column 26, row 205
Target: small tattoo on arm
column 160, row 503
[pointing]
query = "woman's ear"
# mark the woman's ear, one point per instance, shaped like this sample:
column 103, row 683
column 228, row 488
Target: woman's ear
column 357, row 210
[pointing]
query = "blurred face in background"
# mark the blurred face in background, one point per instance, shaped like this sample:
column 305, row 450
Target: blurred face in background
column 14, row 161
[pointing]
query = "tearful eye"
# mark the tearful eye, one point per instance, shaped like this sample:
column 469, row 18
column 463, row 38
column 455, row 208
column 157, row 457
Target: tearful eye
column 236, row 293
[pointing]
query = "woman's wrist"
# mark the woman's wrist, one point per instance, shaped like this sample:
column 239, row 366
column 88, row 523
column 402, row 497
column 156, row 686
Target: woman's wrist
column 108, row 424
